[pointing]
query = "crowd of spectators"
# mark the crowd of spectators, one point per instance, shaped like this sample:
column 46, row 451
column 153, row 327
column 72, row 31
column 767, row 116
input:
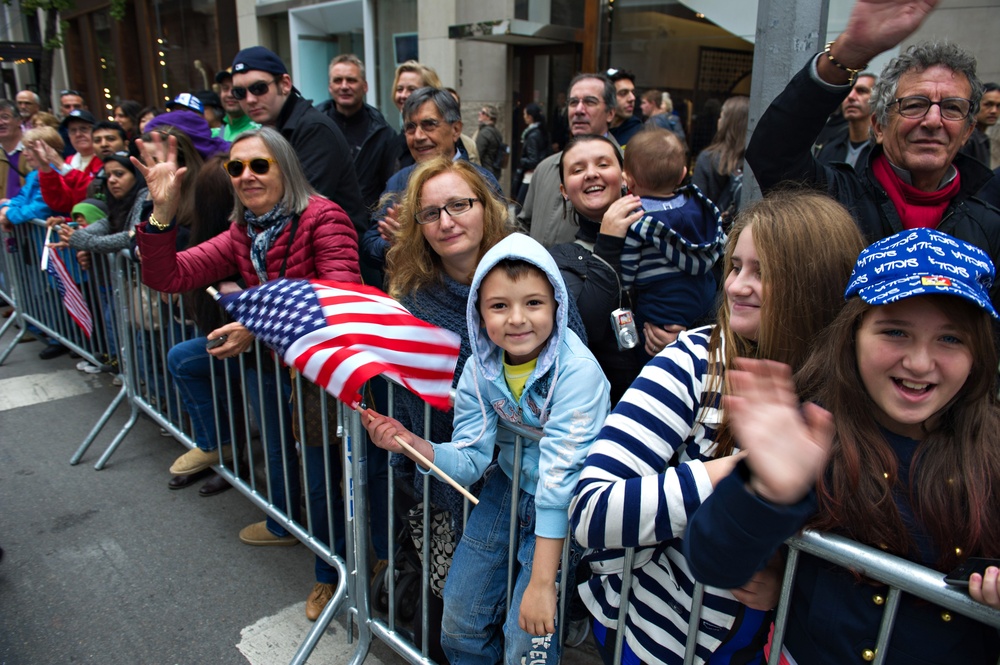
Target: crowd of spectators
column 696, row 307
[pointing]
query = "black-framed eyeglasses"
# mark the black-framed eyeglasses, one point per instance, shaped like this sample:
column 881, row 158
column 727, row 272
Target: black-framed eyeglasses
column 917, row 106
column 427, row 125
column 256, row 89
column 453, row 208
column 259, row 165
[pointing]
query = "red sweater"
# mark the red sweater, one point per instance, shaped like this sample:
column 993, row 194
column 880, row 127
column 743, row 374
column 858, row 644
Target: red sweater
column 325, row 247
column 62, row 192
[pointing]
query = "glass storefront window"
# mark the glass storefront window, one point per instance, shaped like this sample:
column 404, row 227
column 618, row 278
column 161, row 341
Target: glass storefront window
column 671, row 48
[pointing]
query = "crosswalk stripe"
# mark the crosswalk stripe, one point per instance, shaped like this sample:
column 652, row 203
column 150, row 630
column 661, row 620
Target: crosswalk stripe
column 32, row 389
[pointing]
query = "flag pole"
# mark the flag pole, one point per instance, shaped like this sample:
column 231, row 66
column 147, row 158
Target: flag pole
column 427, row 463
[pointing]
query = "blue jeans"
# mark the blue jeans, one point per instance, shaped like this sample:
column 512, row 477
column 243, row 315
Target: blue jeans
column 316, row 481
column 476, row 590
column 273, row 414
column 191, row 365
column 378, row 477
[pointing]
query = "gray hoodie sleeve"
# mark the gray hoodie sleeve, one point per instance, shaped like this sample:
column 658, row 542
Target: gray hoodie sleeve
column 95, row 238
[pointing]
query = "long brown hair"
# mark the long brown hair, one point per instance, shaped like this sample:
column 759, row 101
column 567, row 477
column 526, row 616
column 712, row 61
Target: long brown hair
column 953, row 468
column 730, row 140
column 807, row 244
column 411, row 264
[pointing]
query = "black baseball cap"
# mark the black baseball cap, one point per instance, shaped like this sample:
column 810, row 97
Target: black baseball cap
column 259, row 58
column 78, row 114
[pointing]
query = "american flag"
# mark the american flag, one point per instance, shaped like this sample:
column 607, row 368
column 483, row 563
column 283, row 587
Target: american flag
column 69, row 292
column 340, row 335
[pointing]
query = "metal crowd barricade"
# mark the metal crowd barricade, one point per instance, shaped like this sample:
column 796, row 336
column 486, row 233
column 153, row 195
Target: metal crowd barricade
column 37, row 302
column 140, row 331
column 150, row 325
column 390, row 628
column 900, row 575
column 7, row 293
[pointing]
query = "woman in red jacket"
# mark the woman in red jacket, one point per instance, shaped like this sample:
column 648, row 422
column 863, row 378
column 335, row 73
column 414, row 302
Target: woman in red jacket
column 281, row 228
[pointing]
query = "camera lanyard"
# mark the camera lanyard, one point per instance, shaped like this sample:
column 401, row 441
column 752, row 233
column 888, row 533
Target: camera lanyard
column 589, row 246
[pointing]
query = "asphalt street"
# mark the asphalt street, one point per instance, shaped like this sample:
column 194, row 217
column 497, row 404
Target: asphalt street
column 113, row 567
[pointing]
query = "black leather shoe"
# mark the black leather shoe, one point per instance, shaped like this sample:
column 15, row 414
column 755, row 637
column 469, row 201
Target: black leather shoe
column 180, row 482
column 52, row 351
column 214, row 485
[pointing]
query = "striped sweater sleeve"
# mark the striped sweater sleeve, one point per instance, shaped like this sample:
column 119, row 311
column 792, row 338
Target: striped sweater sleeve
column 630, row 493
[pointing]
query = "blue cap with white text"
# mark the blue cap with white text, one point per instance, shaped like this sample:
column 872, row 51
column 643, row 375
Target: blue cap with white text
column 922, row 262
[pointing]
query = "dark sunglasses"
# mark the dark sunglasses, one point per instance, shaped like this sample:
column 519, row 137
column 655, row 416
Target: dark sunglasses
column 259, row 165
column 256, row 89
column 63, row 93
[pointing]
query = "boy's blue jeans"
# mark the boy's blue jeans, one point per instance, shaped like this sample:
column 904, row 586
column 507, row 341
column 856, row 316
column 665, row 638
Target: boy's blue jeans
column 476, row 590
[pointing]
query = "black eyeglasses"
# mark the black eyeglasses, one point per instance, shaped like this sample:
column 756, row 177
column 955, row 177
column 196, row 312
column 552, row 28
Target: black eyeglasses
column 917, row 106
column 256, row 89
column 63, row 93
column 453, row 208
column 259, row 165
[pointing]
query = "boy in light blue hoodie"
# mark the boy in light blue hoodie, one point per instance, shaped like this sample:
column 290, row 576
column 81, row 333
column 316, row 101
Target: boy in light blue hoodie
column 529, row 369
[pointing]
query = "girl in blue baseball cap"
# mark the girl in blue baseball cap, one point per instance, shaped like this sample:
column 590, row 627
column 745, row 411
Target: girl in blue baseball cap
column 904, row 456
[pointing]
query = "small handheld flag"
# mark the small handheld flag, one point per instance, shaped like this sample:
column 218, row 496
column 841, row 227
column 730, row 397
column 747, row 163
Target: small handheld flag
column 69, row 292
column 340, row 335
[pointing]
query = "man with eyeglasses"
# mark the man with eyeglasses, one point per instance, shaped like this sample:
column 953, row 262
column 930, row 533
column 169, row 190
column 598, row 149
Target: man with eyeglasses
column 923, row 111
column 432, row 124
column 11, row 177
column 263, row 87
column 546, row 214
column 373, row 142
column 624, row 125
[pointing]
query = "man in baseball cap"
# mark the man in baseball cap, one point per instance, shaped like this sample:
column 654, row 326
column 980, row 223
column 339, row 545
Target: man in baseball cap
column 187, row 102
column 263, row 87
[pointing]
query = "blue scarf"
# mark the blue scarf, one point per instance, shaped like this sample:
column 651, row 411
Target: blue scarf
column 262, row 231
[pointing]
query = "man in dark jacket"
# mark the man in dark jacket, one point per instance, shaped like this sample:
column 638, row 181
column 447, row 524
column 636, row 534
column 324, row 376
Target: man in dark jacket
column 923, row 110
column 264, row 88
column 373, row 142
column 978, row 145
column 624, row 125
column 432, row 124
column 851, row 145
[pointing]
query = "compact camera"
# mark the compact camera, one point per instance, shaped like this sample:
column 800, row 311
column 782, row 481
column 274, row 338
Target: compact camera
column 623, row 323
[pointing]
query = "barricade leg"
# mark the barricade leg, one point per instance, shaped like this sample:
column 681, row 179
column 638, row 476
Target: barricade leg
column 17, row 338
column 124, row 276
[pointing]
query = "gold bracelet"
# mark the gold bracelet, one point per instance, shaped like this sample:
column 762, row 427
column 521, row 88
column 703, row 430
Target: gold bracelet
column 852, row 73
column 157, row 223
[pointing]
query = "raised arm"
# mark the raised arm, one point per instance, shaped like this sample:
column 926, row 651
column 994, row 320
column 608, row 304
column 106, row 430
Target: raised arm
column 779, row 148
column 753, row 511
